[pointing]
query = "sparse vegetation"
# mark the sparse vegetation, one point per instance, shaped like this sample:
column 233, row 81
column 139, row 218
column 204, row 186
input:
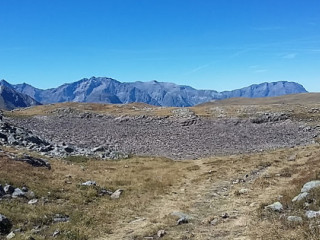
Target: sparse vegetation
column 225, row 196
column 143, row 179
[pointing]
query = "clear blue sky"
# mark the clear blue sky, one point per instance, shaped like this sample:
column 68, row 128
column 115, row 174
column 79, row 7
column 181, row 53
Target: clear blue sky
column 207, row 44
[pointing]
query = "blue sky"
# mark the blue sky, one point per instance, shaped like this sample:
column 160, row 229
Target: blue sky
column 207, row 44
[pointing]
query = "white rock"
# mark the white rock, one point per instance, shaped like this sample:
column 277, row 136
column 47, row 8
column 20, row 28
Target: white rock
column 292, row 158
column 161, row 233
column 214, row 222
column 300, row 197
column 310, row 185
column 277, row 207
column 18, row 193
column 33, row 201
column 89, row 183
column 243, row 191
column 116, row 194
column 56, row 233
column 312, row 214
column 11, row 235
column 294, row 219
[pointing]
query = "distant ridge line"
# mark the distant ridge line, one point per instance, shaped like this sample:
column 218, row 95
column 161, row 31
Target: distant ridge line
column 108, row 90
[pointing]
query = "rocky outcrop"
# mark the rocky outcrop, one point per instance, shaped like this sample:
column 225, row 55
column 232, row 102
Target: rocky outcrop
column 10, row 191
column 23, row 138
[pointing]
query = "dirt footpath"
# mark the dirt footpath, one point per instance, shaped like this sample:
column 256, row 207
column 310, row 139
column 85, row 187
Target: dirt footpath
column 223, row 198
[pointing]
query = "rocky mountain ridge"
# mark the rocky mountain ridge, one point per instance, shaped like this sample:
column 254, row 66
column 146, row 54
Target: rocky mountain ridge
column 10, row 98
column 108, row 90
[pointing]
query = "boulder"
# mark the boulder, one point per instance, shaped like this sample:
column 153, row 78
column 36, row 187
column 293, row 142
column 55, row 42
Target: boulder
column 294, row 219
column 214, row 221
column 292, row 158
column 182, row 220
column 310, row 185
column 243, row 191
column 12, row 140
column 89, row 183
column 69, row 149
column 312, row 214
column 46, row 148
column 276, row 207
column 18, row 193
column 161, row 233
column 98, row 149
column 8, row 189
column 105, row 192
column 5, row 225
column 11, row 235
column 300, row 197
column 30, row 195
column 116, row 194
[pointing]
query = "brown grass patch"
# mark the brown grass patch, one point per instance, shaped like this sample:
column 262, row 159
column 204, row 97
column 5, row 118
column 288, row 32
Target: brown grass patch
column 91, row 215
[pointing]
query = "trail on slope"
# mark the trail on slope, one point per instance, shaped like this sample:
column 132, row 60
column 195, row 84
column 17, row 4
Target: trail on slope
column 209, row 195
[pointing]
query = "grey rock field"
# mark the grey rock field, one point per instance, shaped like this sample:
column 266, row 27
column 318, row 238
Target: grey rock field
column 173, row 137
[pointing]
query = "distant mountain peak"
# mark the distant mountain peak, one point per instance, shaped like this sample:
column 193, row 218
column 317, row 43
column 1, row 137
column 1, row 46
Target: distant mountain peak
column 11, row 99
column 5, row 83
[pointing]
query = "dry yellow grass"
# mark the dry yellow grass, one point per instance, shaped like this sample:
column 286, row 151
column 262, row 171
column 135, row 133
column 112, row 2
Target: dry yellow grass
column 131, row 109
column 142, row 179
column 156, row 187
column 291, row 99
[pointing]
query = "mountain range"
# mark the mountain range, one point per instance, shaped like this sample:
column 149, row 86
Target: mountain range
column 108, row 90
column 11, row 99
